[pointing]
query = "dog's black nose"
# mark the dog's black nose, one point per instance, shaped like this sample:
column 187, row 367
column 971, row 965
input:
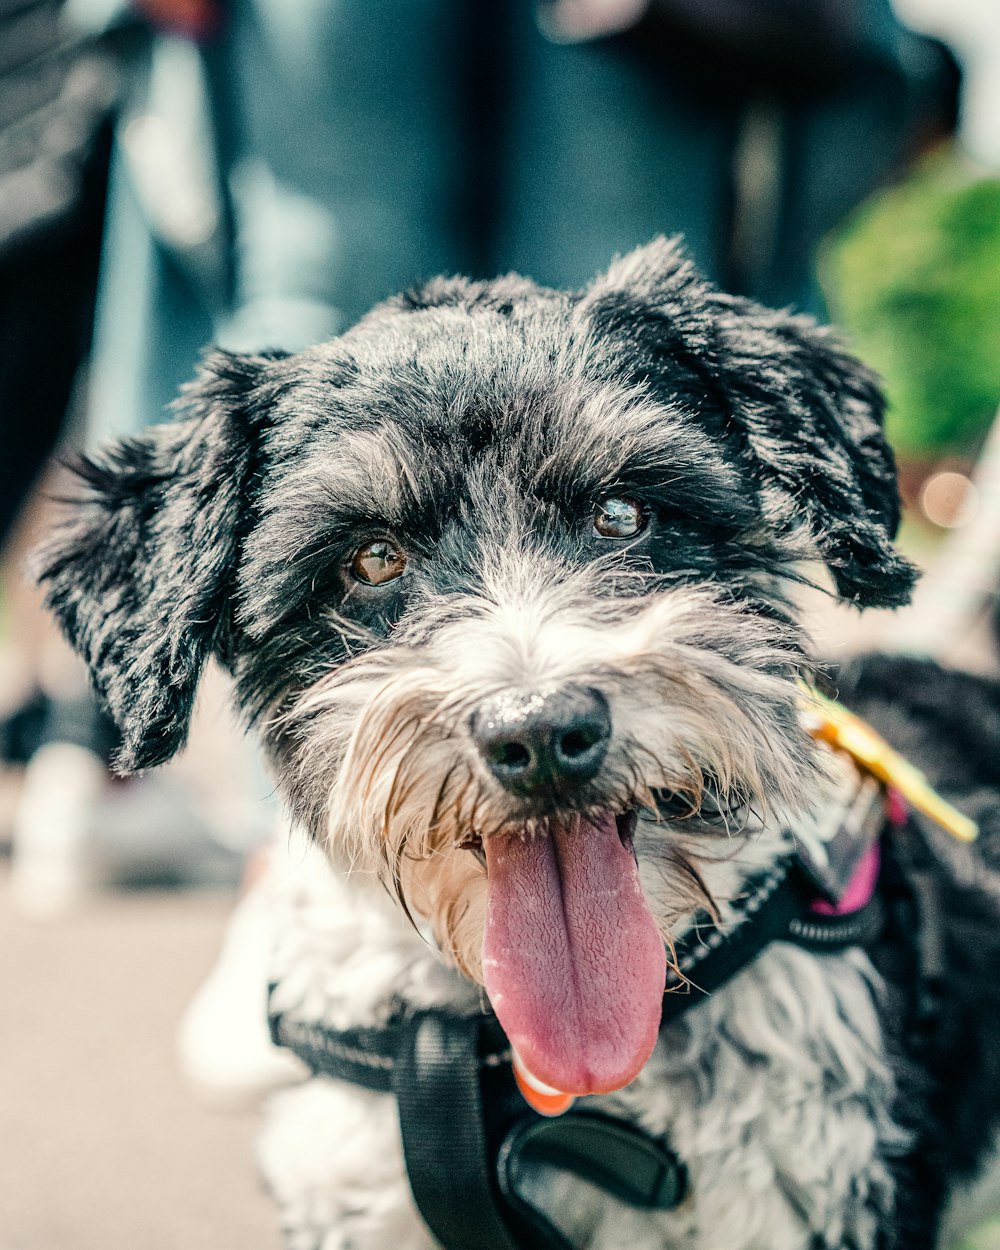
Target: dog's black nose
column 533, row 741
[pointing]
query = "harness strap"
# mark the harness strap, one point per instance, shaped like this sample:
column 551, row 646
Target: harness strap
column 436, row 1081
column 369, row 1056
column 781, row 909
column 618, row 1158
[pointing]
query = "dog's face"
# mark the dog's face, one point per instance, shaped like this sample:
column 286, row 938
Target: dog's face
column 502, row 575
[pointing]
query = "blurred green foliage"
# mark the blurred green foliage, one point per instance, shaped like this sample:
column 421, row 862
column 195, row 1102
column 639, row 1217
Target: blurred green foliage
column 914, row 280
column 987, row 1237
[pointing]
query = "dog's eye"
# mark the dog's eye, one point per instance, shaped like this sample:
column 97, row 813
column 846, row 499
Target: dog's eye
column 378, row 562
column 616, row 517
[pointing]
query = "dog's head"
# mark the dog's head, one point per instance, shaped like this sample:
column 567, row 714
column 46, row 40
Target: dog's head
column 502, row 577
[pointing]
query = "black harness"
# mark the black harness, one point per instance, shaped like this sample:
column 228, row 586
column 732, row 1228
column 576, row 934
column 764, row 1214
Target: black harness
column 469, row 1138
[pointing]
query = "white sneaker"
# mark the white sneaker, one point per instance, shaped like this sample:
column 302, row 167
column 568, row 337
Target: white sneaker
column 53, row 853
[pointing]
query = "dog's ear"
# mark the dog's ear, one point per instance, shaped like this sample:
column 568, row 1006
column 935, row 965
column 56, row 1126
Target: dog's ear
column 141, row 571
column 806, row 415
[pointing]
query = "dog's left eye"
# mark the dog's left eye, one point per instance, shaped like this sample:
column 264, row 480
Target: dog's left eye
column 378, row 562
column 619, row 517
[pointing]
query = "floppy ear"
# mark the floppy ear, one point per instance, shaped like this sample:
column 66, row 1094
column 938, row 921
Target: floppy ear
column 806, row 415
column 141, row 572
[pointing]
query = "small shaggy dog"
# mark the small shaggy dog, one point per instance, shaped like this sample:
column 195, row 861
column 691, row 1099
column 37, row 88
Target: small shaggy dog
column 504, row 576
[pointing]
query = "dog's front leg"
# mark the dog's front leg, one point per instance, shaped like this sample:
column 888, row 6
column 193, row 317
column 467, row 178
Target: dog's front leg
column 332, row 1157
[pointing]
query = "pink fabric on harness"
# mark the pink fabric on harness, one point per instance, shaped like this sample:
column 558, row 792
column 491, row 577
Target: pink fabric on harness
column 859, row 890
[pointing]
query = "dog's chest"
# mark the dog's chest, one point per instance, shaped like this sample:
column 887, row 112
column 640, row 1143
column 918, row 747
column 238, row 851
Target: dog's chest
column 774, row 1093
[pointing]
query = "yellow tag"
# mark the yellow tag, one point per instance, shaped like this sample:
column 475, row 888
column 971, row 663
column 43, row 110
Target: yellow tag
column 831, row 723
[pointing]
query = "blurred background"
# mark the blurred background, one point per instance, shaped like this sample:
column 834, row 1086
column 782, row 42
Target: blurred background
column 257, row 173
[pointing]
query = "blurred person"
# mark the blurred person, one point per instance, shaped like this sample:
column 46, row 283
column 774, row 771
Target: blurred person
column 972, row 28
column 280, row 168
column 57, row 94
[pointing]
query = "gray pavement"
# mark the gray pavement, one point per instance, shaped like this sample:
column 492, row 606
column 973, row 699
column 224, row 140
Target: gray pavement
column 102, row 1146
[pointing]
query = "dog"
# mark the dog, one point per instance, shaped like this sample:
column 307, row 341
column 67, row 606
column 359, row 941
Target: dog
column 506, row 580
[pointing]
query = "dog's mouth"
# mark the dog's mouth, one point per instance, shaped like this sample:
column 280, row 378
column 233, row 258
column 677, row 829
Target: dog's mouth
column 573, row 962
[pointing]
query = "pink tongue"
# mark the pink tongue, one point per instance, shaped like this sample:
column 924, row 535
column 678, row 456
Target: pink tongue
column 573, row 962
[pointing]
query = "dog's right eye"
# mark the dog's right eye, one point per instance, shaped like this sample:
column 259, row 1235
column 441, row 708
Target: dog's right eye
column 378, row 562
column 619, row 517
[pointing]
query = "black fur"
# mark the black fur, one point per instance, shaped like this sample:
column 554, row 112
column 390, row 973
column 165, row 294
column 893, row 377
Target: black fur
column 142, row 577
column 941, row 949
column 226, row 533
column 787, row 400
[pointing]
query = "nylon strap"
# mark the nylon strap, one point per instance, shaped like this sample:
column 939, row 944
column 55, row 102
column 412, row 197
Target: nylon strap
column 619, row 1158
column 436, row 1082
column 779, row 910
column 368, row 1056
